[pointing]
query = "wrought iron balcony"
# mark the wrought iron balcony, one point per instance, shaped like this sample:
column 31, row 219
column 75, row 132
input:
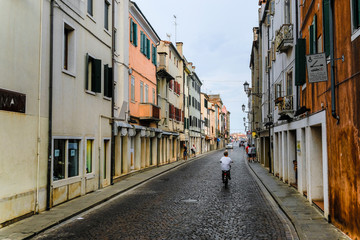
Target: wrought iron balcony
column 286, row 105
column 284, row 38
column 149, row 111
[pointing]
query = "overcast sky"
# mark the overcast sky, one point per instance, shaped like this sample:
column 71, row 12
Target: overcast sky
column 217, row 37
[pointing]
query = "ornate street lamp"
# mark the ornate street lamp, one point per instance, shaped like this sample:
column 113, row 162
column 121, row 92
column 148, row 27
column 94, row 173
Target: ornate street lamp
column 243, row 107
column 244, row 119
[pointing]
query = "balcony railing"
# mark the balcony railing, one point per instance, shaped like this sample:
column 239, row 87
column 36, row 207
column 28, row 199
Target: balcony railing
column 284, row 38
column 149, row 111
column 286, row 105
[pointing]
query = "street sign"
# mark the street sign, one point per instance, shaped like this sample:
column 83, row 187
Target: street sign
column 316, row 67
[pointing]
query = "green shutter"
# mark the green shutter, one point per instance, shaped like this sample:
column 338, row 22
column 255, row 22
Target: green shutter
column 131, row 30
column 141, row 42
column 300, row 62
column 110, row 82
column 87, row 71
column 96, row 81
column 148, row 48
column 315, row 34
column 135, row 35
column 311, row 39
column 326, row 26
column 106, row 80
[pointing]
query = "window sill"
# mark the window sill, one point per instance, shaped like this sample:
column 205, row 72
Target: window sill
column 67, row 72
column 64, row 182
column 89, row 176
column 91, row 17
column 303, row 86
column 107, row 31
column 355, row 34
column 107, row 98
column 90, row 92
column 133, row 101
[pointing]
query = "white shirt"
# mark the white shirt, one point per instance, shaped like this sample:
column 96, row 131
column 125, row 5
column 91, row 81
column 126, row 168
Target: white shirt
column 225, row 163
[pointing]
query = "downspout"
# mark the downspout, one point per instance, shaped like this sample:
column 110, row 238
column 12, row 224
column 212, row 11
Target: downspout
column 36, row 208
column 269, row 104
column 332, row 57
column 48, row 186
column 112, row 165
column 297, row 37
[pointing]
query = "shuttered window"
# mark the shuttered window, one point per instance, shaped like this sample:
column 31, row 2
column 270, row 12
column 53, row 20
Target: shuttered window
column 326, row 26
column 107, row 81
column 133, row 33
column 93, row 74
column 313, row 36
column 356, row 13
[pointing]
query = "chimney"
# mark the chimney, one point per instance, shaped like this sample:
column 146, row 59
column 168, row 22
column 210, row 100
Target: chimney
column 179, row 47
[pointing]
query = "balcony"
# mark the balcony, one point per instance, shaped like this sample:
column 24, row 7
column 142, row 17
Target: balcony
column 284, row 38
column 162, row 69
column 285, row 105
column 149, row 112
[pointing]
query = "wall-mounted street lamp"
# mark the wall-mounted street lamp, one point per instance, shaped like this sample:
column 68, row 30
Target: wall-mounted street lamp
column 249, row 90
column 244, row 119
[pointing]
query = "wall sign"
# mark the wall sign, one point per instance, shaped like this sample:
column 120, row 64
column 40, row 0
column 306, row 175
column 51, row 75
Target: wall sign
column 12, row 101
column 316, row 67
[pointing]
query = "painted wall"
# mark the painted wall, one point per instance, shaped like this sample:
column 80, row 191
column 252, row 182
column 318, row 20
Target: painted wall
column 22, row 173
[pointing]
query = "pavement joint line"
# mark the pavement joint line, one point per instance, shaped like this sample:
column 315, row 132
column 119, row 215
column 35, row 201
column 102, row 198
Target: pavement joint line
column 166, row 167
column 283, row 208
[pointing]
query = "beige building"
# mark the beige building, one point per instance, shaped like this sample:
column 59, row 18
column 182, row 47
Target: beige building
column 24, row 114
column 170, row 96
column 205, row 123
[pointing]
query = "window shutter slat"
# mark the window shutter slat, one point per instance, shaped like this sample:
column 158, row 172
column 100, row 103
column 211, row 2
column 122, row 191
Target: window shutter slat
column 87, row 71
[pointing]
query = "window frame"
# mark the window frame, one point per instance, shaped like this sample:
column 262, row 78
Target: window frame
column 132, row 88
column 141, row 91
column 95, row 74
column 67, row 180
column 355, row 21
column 69, row 49
column 146, row 93
column 106, row 15
column 92, row 172
column 91, row 13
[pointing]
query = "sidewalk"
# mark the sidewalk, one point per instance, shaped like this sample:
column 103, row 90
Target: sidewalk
column 36, row 224
column 307, row 220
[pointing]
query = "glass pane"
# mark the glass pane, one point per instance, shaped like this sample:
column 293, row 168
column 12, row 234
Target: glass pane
column 89, row 156
column 73, row 158
column 59, row 159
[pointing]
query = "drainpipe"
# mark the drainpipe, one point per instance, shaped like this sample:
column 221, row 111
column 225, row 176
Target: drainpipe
column 36, row 208
column 296, row 37
column 112, row 165
column 48, row 186
column 269, row 104
column 332, row 57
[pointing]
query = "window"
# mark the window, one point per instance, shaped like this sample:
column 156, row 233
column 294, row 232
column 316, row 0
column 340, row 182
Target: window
column 106, row 14
column 146, row 93
column 278, row 90
column 66, row 158
column 145, row 45
column 313, row 36
column 356, row 14
column 93, row 74
column 73, row 158
column 154, row 54
column 106, row 155
column 141, row 92
column 59, row 160
column 133, row 33
column 89, row 156
column 90, row 7
column 287, row 12
column 108, row 83
column 69, row 48
column 289, row 84
column 132, row 88
column 153, row 95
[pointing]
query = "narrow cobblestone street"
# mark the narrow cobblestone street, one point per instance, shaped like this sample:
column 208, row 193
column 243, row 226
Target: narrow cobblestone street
column 187, row 203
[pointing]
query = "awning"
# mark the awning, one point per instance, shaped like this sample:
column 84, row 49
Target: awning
column 167, row 133
column 137, row 127
column 284, row 117
column 123, row 124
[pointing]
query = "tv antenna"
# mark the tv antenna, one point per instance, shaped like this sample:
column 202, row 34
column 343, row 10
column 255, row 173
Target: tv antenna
column 168, row 35
column 175, row 23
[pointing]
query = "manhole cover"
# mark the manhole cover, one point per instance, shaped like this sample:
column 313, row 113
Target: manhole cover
column 190, row 201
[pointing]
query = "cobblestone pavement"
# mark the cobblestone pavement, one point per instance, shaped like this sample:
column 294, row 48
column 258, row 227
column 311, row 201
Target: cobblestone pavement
column 187, row 203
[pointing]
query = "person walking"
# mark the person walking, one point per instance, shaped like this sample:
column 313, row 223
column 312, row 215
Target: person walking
column 193, row 150
column 185, row 152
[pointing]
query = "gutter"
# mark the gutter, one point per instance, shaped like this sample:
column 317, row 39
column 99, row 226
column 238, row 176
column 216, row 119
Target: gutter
column 112, row 157
column 332, row 57
column 48, row 185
